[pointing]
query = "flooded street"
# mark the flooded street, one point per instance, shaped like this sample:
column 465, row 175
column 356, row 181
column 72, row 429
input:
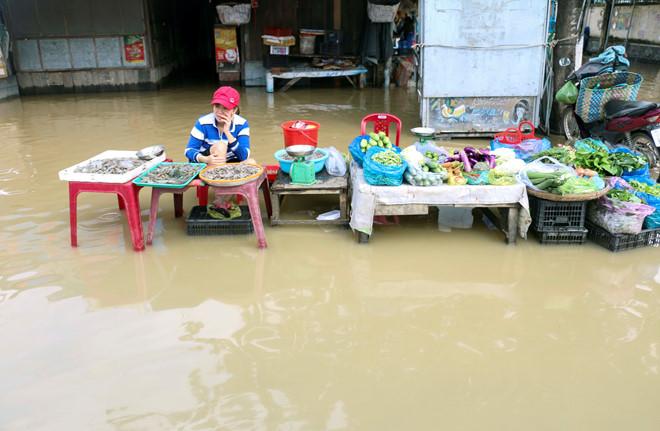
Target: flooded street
column 418, row 330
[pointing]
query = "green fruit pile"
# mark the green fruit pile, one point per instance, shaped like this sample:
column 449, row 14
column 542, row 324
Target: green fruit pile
column 387, row 158
column 379, row 139
column 432, row 166
column 433, row 156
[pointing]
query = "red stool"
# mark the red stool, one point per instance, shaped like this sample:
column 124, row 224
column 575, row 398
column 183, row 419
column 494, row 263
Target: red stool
column 249, row 190
column 128, row 197
column 382, row 123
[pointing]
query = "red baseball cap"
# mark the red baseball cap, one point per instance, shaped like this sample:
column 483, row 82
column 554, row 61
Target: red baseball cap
column 227, row 97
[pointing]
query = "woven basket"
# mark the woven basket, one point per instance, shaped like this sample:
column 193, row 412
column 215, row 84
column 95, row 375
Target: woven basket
column 568, row 198
column 229, row 183
column 234, row 14
column 598, row 90
column 381, row 13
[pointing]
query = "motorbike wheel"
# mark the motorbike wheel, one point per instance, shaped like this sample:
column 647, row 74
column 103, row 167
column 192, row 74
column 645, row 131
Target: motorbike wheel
column 569, row 124
column 643, row 143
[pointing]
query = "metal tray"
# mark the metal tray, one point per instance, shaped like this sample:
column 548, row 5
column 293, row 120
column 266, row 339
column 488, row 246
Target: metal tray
column 141, row 182
column 69, row 173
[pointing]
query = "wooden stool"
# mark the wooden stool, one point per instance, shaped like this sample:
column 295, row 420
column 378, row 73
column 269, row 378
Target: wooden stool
column 325, row 185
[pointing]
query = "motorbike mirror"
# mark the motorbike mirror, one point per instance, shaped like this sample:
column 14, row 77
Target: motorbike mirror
column 564, row 61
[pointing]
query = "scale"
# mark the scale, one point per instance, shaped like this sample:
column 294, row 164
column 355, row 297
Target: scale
column 424, row 134
column 302, row 171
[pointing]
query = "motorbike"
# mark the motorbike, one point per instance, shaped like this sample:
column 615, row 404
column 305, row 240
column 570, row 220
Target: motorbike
column 631, row 124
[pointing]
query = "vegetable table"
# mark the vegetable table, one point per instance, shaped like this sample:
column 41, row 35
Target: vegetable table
column 369, row 201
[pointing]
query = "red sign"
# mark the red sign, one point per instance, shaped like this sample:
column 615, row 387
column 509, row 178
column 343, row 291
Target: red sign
column 134, row 49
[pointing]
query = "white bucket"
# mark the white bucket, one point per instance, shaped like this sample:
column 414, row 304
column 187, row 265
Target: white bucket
column 307, row 43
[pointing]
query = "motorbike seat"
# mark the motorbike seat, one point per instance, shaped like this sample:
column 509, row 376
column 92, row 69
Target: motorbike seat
column 622, row 108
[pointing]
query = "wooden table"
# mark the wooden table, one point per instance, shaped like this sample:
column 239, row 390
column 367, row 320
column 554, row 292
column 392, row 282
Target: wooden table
column 295, row 74
column 325, row 185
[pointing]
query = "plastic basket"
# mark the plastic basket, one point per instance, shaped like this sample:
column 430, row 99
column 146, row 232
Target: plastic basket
column 598, row 90
column 236, row 14
column 200, row 223
column 620, row 242
column 567, row 237
column 551, row 216
column 381, row 13
column 141, row 180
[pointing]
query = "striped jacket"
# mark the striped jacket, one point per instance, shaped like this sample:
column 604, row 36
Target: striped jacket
column 205, row 132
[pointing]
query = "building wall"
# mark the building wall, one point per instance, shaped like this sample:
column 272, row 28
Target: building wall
column 638, row 27
column 84, row 45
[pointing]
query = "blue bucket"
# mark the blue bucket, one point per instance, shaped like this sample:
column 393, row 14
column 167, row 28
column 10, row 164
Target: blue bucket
column 285, row 165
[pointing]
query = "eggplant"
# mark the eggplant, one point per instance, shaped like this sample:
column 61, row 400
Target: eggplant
column 467, row 167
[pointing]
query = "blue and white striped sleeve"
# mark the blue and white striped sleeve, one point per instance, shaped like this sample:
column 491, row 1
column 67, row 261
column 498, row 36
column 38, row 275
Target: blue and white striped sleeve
column 194, row 142
column 241, row 148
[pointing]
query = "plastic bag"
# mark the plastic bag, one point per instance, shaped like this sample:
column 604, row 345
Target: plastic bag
column 429, row 146
column 477, row 178
column 544, row 164
column 521, row 140
column 617, row 216
column 590, row 145
column 417, row 177
column 356, row 151
column 496, row 178
column 335, row 163
column 378, row 174
column 644, row 171
column 567, row 94
column 652, row 221
column 460, row 218
column 525, row 149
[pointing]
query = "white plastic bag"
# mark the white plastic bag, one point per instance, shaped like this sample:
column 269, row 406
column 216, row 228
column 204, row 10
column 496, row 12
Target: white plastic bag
column 458, row 218
column 335, row 164
column 543, row 164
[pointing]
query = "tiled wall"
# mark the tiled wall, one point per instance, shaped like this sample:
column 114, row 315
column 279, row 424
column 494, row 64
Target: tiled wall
column 58, row 54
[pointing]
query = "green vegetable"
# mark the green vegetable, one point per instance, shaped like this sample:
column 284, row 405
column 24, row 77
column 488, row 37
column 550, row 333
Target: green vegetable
column 577, row 185
column 653, row 190
column 624, row 196
column 565, row 155
column 387, row 158
column 609, row 164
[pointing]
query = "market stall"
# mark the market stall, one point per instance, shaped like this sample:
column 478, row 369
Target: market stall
column 369, row 201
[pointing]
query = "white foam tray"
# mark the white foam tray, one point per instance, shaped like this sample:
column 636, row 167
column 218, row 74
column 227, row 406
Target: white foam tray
column 69, row 174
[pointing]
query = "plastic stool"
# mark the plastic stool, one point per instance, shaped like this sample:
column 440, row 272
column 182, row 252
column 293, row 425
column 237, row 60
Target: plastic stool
column 249, row 190
column 127, row 193
column 251, row 193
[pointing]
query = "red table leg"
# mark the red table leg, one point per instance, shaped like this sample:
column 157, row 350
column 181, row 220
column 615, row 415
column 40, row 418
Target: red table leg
column 127, row 197
column 73, row 213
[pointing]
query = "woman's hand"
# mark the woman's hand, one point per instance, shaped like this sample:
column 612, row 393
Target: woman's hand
column 226, row 121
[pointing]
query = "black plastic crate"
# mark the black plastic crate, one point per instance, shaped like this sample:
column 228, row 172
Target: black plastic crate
column 620, row 242
column 563, row 236
column 200, row 223
column 550, row 216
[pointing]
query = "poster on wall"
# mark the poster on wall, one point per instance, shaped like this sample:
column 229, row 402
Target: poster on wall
column 134, row 50
column 470, row 114
column 226, row 46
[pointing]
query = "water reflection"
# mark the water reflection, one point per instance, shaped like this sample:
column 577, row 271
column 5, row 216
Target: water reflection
column 315, row 332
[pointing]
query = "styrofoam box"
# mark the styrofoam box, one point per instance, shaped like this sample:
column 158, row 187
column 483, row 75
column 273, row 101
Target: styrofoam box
column 68, row 174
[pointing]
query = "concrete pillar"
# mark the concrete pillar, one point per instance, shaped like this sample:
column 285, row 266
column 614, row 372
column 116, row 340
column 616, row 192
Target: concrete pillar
column 568, row 14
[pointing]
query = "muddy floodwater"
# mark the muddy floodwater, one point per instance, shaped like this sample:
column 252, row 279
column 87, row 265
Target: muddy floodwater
column 418, row 330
